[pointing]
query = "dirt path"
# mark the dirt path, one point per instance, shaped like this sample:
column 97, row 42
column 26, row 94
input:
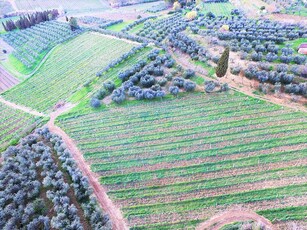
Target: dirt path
column 117, row 219
column 231, row 216
column 23, row 108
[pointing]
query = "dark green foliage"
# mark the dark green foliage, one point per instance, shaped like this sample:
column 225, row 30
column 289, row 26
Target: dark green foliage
column 95, row 103
column 73, row 24
column 25, row 22
column 189, row 86
column 222, row 65
column 109, row 86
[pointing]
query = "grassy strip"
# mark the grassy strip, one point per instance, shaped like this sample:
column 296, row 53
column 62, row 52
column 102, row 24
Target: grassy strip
column 194, row 204
column 212, row 117
column 174, row 149
column 182, row 137
column 205, row 167
column 285, row 214
column 186, row 187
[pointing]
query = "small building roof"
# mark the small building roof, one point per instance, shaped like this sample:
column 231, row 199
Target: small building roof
column 303, row 45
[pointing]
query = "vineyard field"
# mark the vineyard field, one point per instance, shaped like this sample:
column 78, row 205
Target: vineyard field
column 15, row 124
column 66, row 70
column 179, row 161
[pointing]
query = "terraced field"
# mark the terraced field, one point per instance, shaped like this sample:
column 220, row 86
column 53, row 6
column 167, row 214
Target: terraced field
column 14, row 124
column 66, row 70
column 175, row 163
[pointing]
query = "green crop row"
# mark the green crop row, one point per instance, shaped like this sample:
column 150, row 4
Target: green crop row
column 205, row 167
column 198, row 203
column 214, row 183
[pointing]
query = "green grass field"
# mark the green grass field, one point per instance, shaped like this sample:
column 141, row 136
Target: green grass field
column 118, row 27
column 175, row 163
column 66, row 70
column 217, row 8
column 15, row 124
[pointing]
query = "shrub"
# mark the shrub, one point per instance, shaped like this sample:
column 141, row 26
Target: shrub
column 243, row 55
column 189, row 86
column 162, row 81
column 95, row 103
column 178, row 81
column 235, row 70
column 189, row 73
column 127, row 84
column 262, row 76
column 160, row 94
column 281, row 68
column 132, row 90
column 224, row 87
column 149, row 94
column 298, row 59
column 216, row 59
column 101, row 94
column 209, row 86
column 191, row 15
column 304, row 72
column 174, row 90
column 147, row 81
column 139, row 94
column 118, row 95
column 286, row 58
column 176, row 6
column 257, row 56
column 109, row 86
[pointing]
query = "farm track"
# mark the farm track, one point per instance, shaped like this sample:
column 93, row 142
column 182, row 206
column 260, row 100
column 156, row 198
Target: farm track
column 116, row 217
column 224, row 218
column 23, row 108
column 7, row 80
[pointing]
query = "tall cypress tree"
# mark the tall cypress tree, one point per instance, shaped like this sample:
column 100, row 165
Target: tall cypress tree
column 222, row 65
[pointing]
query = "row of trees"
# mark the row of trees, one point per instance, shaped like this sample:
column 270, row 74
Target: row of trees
column 25, row 22
column 28, row 168
column 80, row 184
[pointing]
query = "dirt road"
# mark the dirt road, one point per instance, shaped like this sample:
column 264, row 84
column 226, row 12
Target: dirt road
column 108, row 206
column 23, row 108
column 232, row 216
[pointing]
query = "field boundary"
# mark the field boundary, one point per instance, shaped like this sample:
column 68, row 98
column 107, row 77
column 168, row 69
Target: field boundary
column 23, row 108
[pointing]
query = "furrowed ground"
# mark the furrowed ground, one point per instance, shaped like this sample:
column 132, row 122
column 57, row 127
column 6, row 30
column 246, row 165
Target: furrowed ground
column 14, row 124
column 177, row 162
column 68, row 67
